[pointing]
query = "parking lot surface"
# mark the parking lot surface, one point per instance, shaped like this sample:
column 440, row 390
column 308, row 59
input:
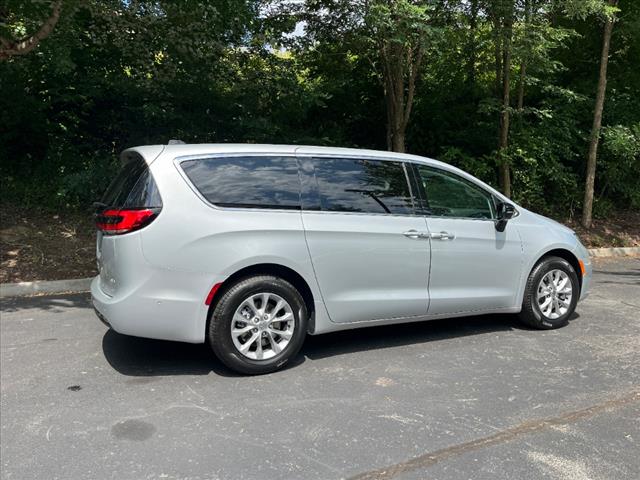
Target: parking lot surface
column 479, row 397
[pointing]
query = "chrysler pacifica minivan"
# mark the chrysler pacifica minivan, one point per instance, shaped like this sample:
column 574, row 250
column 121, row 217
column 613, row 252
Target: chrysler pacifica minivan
column 249, row 248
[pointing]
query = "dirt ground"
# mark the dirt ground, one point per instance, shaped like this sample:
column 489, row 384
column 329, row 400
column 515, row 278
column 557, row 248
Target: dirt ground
column 619, row 230
column 43, row 245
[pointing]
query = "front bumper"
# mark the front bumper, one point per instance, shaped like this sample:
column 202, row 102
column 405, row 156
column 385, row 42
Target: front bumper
column 586, row 280
column 583, row 256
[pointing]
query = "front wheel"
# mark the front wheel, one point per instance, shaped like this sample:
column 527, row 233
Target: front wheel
column 551, row 294
column 258, row 325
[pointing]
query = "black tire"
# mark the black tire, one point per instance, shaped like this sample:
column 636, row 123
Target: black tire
column 219, row 334
column 531, row 314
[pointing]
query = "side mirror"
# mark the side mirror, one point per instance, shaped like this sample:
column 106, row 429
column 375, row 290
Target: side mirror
column 506, row 212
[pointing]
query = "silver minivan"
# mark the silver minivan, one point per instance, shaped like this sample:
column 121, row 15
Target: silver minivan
column 251, row 247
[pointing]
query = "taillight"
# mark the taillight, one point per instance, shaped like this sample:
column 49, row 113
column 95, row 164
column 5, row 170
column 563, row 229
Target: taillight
column 119, row 221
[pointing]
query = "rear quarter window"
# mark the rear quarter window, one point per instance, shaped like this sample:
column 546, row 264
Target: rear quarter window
column 133, row 187
column 246, row 182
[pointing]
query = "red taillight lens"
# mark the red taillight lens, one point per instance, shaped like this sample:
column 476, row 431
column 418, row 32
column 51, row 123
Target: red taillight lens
column 119, row 221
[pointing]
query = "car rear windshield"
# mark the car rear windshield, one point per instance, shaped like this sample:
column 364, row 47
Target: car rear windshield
column 134, row 187
column 246, row 182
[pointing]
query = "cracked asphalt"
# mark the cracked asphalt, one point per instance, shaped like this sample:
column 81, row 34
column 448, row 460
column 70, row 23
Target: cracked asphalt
column 478, row 397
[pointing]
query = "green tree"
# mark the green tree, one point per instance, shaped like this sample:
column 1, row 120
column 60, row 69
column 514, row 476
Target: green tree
column 393, row 35
column 587, row 207
column 21, row 27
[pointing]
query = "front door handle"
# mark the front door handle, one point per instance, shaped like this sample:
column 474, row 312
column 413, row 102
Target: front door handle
column 415, row 234
column 442, row 236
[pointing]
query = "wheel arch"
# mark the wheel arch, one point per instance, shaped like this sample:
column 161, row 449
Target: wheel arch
column 565, row 254
column 286, row 273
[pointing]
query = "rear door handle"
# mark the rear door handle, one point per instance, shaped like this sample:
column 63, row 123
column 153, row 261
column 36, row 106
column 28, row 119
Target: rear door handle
column 442, row 236
column 415, row 234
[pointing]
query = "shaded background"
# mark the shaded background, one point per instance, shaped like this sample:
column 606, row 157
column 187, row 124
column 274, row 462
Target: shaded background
column 117, row 73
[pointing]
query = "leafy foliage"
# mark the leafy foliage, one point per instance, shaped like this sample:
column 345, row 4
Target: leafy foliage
column 117, row 73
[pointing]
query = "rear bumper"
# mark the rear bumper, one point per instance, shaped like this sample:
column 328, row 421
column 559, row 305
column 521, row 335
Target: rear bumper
column 101, row 317
column 157, row 309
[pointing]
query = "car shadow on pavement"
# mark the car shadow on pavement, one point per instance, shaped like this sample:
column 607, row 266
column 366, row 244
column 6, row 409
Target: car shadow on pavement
column 141, row 357
column 144, row 357
column 389, row 336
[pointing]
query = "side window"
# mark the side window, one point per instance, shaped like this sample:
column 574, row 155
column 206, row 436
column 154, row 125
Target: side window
column 134, row 187
column 449, row 195
column 363, row 186
column 248, row 182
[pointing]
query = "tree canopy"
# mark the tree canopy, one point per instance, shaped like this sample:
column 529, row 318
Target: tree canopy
column 504, row 89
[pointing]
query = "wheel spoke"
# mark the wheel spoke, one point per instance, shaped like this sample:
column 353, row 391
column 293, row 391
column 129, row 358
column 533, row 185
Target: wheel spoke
column 545, row 304
column 265, row 302
column 238, row 317
column 563, row 283
column 285, row 334
column 281, row 303
column 259, row 351
column 274, row 345
column 287, row 317
column 241, row 331
column 247, row 345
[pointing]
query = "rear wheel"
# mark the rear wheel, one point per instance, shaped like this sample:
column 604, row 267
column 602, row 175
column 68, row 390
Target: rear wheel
column 551, row 294
column 258, row 325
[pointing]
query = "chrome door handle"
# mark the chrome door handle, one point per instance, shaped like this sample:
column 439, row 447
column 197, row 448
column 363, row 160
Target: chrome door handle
column 415, row 234
column 442, row 236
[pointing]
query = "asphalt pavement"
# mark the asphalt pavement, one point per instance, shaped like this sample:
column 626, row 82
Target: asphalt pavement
column 477, row 398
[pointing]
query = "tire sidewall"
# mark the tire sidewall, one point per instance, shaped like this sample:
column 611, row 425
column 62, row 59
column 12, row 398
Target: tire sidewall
column 544, row 268
column 220, row 324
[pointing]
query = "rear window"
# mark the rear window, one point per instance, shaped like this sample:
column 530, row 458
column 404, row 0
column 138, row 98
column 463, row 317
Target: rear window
column 134, row 187
column 247, row 182
column 363, row 186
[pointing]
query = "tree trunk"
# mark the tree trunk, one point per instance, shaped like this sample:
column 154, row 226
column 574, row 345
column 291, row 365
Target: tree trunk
column 523, row 63
column 523, row 74
column 587, row 209
column 26, row 44
column 505, row 173
column 472, row 48
column 401, row 66
column 399, row 142
column 497, row 52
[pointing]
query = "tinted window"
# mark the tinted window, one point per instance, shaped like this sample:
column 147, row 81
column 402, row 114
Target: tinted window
column 449, row 195
column 134, row 187
column 366, row 186
column 251, row 182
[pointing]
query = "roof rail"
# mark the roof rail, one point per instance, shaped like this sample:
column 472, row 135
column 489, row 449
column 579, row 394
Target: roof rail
column 175, row 142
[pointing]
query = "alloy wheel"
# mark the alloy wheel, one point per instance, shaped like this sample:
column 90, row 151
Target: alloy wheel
column 554, row 294
column 262, row 326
